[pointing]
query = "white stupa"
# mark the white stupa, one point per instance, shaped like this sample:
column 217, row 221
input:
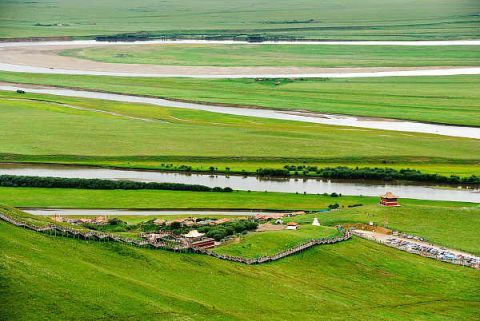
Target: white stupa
column 316, row 222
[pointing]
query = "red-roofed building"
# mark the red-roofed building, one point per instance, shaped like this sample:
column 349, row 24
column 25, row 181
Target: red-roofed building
column 292, row 226
column 389, row 199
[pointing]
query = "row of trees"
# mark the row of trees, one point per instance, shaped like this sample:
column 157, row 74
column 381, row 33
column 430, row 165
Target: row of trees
column 142, row 36
column 375, row 173
column 389, row 174
column 221, row 231
column 60, row 182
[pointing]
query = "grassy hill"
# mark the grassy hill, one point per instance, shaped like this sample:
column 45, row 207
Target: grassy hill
column 347, row 19
column 44, row 277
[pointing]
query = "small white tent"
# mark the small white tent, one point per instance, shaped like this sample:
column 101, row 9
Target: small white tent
column 193, row 234
column 316, row 222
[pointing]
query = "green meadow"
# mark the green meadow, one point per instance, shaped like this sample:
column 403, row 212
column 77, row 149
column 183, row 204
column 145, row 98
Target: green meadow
column 257, row 244
column 282, row 55
column 54, row 129
column 356, row 279
column 449, row 99
column 453, row 224
column 345, row 20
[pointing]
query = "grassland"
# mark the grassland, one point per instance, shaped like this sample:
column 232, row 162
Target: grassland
column 40, row 124
column 258, row 244
column 282, row 55
column 449, row 100
column 452, row 224
column 79, row 280
column 350, row 19
column 163, row 136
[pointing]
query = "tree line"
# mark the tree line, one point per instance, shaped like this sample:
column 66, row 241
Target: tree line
column 374, row 173
column 83, row 183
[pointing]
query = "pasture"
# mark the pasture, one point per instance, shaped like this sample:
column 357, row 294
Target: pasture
column 83, row 131
column 282, row 55
column 448, row 100
column 346, row 20
column 96, row 280
column 452, row 224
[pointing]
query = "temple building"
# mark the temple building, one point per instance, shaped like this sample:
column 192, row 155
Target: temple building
column 389, row 199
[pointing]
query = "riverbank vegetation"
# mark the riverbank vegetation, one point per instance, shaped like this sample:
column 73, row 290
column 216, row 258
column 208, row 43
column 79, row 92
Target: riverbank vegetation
column 282, row 55
column 365, row 173
column 61, row 182
column 149, row 137
column 350, row 20
column 437, row 99
column 112, row 279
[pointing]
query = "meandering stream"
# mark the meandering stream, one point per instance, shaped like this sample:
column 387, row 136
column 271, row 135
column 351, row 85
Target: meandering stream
column 327, row 119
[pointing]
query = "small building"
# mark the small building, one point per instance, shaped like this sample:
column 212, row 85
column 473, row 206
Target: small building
column 159, row 221
column 204, row 244
column 57, row 218
column 193, row 235
column 292, row 226
column 222, row 220
column 99, row 220
column 273, row 216
column 297, row 213
column 316, row 222
column 389, row 199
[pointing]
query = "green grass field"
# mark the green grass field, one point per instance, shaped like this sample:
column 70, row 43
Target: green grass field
column 36, row 126
column 449, row 100
column 358, row 279
column 452, row 224
column 348, row 19
column 282, row 55
column 63, row 130
column 256, row 244
column 70, row 130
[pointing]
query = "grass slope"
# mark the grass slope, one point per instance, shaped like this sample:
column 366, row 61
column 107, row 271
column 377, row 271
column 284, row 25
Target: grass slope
column 256, row 244
column 452, row 224
column 449, row 100
column 282, row 55
column 46, row 277
column 347, row 19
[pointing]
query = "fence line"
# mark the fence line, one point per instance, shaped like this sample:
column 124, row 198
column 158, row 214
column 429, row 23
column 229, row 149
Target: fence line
column 100, row 236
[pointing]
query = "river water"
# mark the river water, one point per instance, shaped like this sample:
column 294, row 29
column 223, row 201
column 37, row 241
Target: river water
column 326, row 119
column 291, row 185
column 471, row 42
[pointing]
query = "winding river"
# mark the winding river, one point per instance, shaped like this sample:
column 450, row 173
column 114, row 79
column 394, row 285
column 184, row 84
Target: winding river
column 326, row 119
column 291, row 185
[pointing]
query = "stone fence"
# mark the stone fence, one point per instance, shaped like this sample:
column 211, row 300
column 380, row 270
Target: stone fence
column 100, row 236
column 264, row 259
